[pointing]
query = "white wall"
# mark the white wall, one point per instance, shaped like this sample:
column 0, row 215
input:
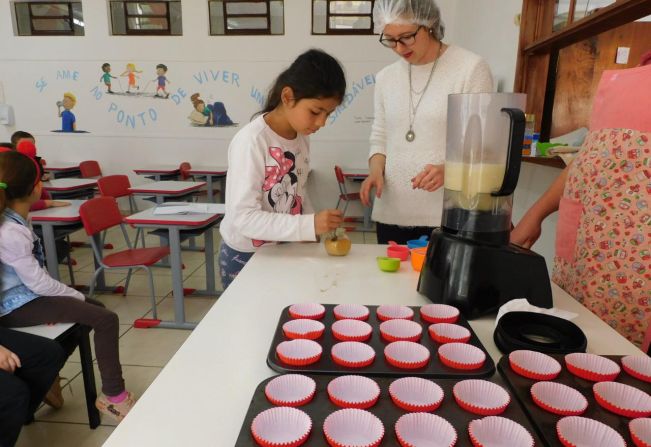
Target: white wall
column 33, row 72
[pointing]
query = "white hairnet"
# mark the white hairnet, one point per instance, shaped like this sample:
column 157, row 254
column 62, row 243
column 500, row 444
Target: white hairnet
column 403, row 12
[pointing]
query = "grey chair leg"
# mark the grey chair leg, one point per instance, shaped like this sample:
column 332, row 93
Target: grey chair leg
column 126, row 284
column 345, row 208
column 91, row 287
column 71, row 273
column 338, row 203
column 154, row 311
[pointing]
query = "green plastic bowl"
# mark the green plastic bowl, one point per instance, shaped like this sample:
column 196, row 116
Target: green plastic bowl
column 387, row 264
column 542, row 148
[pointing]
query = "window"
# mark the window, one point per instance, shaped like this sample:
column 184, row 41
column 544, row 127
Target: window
column 133, row 18
column 342, row 17
column 569, row 11
column 49, row 18
column 242, row 17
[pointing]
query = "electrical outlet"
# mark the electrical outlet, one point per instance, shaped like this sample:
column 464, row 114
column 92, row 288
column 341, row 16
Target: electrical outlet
column 622, row 55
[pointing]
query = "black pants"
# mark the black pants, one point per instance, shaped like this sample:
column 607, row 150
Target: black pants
column 400, row 235
column 22, row 391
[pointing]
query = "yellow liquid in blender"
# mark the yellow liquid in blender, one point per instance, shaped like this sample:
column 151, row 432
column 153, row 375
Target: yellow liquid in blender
column 473, row 184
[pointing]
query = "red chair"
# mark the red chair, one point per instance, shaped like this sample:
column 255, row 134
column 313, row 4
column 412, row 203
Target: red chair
column 90, row 169
column 184, row 170
column 117, row 186
column 100, row 214
column 344, row 195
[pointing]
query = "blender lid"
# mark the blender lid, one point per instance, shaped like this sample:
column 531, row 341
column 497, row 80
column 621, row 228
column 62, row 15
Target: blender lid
column 538, row 332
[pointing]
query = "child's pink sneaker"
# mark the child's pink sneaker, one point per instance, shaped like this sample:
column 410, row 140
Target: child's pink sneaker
column 116, row 411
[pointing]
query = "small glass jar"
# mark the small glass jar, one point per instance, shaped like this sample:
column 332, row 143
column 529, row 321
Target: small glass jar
column 337, row 243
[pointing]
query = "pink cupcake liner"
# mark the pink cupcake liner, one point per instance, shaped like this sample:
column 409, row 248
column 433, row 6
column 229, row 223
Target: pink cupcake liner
column 481, row 397
column 418, row 429
column 461, row 356
column 558, row 398
column 497, row 430
column 290, row 390
column 352, row 354
column 406, row 354
column 351, row 330
column 351, row 312
column 312, row 311
column 394, row 312
column 534, row 365
column 622, row 399
column 416, row 394
column 353, row 428
column 638, row 366
column 449, row 333
column 281, row 427
column 353, row 392
column 299, row 352
column 303, row 328
column 439, row 313
column 400, row 330
column 575, row 431
column 640, row 429
column 591, row 367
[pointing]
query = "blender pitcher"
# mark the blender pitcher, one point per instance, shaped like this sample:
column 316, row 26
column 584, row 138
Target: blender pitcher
column 482, row 164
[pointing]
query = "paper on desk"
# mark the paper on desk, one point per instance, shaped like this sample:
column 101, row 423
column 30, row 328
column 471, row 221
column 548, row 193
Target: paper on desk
column 187, row 208
column 522, row 305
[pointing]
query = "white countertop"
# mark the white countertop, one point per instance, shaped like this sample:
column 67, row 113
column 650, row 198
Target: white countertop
column 202, row 395
column 60, row 214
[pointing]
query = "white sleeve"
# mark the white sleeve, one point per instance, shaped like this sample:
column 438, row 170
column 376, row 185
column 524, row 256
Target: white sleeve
column 16, row 252
column 480, row 79
column 378, row 138
column 247, row 161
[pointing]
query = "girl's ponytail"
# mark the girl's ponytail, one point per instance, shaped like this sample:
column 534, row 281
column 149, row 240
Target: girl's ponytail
column 18, row 177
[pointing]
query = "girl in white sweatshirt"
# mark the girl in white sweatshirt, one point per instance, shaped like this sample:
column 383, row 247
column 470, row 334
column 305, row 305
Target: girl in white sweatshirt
column 268, row 163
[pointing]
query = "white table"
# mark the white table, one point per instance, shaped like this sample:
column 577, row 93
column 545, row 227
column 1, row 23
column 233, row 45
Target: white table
column 161, row 172
column 70, row 187
column 210, row 174
column 211, row 378
column 60, row 169
column 167, row 188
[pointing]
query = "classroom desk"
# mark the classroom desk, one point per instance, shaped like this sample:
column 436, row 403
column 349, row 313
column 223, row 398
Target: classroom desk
column 359, row 175
column 210, row 174
column 61, row 188
column 174, row 224
column 63, row 169
column 159, row 173
column 167, row 189
column 211, row 378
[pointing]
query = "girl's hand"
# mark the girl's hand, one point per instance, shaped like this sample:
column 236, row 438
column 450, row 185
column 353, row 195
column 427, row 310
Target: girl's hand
column 527, row 231
column 327, row 220
column 430, row 178
column 8, row 360
column 374, row 180
column 56, row 203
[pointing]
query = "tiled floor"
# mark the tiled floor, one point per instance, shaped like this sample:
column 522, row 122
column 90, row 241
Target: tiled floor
column 143, row 352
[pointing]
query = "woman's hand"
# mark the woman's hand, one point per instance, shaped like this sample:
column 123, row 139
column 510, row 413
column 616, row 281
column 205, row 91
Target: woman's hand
column 327, row 220
column 374, row 180
column 430, row 178
column 56, row 203
column 527, row 231
column 8, row 360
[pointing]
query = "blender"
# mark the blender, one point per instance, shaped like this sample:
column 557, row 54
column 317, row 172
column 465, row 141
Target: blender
column 470, row 263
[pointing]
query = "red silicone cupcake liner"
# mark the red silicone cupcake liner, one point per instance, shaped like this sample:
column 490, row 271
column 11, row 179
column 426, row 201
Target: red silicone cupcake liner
column 485, row 432
column 416, row 394
column 352, row 354
column 481, row 397
column 575, row 431
column 412, row 429
column 406, row 355
column 622, row 399
column 351, row 330
column 353, row 428
column 448, row 333
column 290, row 390
column 351, row 312
column 303, row 328
column 640, row 429
column 312, row 311
column 439, row 313
column 558, row 398
column 638, row 366
column 400, row 330
column 394, row 312
column 461, row 356
column 353, row 392
column 281, row 427
column 299, row 352
column 534, row 365
column 591, row 367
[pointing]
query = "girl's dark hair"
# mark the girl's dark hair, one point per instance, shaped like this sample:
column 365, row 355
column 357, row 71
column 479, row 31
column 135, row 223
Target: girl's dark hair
column 314, row 74
column 19, row 173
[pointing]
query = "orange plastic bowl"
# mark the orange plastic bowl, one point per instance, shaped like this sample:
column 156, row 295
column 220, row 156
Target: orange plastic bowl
column 418, row 257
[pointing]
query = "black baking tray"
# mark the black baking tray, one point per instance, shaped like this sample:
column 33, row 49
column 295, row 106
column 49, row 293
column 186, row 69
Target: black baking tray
column 545, row 422
column 321, row 406
column 380, row 367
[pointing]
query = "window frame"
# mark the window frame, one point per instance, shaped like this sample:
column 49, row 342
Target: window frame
column 35, row 32
column 343, row 32
column 245, row 31
column 138, row 32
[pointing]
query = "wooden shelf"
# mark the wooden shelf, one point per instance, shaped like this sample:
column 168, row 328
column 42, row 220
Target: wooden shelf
column 553, row 162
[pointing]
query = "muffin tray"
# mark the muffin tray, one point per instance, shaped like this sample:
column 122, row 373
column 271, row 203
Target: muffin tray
column 380, row 367
column 321, row 406
column 545, row 422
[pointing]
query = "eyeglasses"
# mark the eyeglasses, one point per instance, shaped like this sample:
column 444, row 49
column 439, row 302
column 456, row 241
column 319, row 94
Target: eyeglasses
column 407, row 39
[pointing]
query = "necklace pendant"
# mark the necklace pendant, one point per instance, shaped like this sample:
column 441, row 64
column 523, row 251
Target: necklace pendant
column 410, row 135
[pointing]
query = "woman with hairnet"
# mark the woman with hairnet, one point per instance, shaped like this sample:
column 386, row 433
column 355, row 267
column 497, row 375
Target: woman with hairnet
column 406, row 160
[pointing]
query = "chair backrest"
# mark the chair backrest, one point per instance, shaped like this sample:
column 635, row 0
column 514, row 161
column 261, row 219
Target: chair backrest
column 184, row 168
column 90, row 168
column 99, row 214
column 341, row 180
column 114, row 186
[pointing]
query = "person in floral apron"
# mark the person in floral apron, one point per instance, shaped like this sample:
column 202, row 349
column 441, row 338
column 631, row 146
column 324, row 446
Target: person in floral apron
column 603, row 236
